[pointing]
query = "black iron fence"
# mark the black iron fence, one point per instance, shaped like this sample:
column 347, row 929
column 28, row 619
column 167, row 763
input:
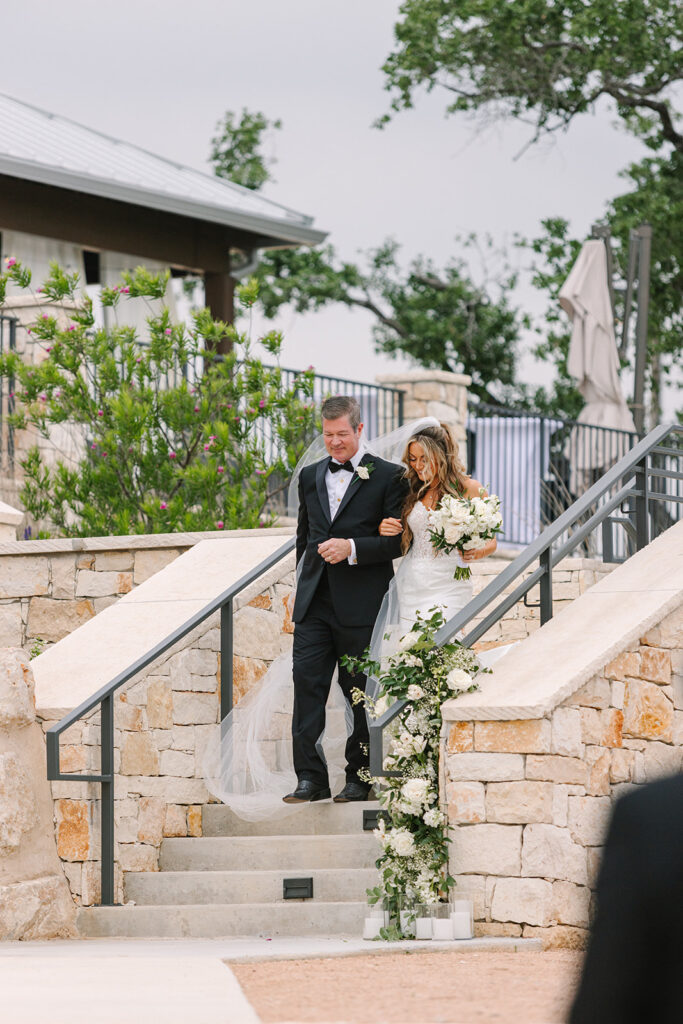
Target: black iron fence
column 540, row 465
column 8, row 343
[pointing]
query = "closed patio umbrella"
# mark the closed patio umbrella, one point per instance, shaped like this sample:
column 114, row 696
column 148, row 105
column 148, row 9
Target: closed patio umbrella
column 593, row 361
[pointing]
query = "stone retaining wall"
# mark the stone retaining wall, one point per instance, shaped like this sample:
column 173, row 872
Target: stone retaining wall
column 530, row 799
column 48, row 588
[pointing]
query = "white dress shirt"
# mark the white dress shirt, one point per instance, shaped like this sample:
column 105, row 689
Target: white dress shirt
column 336, row 484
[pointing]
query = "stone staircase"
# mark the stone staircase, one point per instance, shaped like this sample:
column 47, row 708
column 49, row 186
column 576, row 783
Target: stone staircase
column 229, row 882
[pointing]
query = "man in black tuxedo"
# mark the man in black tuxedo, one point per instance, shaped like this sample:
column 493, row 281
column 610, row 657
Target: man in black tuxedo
column 346, row 571
column 633, row 972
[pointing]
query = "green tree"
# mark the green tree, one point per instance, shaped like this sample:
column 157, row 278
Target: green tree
column 543, row 63
column 437, row 316
column 171, row 439
column 656, row 196
column 236, row 149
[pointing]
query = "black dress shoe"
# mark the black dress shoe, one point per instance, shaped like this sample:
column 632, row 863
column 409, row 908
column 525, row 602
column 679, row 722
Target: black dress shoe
column 352, row 791
column 306, row 792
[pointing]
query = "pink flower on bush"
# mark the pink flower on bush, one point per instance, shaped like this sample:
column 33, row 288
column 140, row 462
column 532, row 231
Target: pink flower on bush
column 220, row 524
column 71, row 327
column 43, row 398
column 93, row 446
column 196, row 408
column 172, row 455
column 261, row 472
column 262, row 404
column 49, row 349
column 212, row 437
column 44, row 316
column 100, row 412
column 167, row 331
column 207, row 447
column 220, row 469
column 126, row 290
column 10, row 261
column 104, row 455
column 163, row 505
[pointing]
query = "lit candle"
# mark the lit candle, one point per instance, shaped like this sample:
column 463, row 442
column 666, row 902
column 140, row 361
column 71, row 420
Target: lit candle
column 461, row 924
column 442, row 928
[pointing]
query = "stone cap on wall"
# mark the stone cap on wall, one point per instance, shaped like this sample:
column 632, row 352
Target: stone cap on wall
column 10, row 516
column 132, row 542
column 555, row 661
column 414, row 376
column 92, row 655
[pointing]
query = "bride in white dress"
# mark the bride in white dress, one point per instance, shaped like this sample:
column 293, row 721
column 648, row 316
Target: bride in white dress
column 248, row 762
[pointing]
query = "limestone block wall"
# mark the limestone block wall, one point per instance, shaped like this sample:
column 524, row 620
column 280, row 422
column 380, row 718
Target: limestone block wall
column 49, row 588
column 34, row 896
column 529, row 799
column 434, row 393
column 162, row 723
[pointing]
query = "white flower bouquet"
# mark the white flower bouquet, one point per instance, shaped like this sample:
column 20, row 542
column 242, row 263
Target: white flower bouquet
column 464, row 524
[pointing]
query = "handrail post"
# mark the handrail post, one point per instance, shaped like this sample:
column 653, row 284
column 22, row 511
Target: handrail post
column 642, row 505
column 546, row 585
column 607, row 540
column 226, row 658
column 107, row 898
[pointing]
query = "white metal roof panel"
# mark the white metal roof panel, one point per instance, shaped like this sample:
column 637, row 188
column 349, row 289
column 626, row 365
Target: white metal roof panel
column 54, row 150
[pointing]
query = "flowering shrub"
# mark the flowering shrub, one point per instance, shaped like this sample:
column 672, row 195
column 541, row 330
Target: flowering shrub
column 169, row 437
column 413, row 829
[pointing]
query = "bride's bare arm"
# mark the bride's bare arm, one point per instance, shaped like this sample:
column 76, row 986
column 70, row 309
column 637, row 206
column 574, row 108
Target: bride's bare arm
column 390, row 527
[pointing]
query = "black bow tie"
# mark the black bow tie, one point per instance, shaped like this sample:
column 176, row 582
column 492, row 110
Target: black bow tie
column 336, row 466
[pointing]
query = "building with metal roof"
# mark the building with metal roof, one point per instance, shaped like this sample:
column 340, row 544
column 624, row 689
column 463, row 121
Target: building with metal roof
column 61, row 180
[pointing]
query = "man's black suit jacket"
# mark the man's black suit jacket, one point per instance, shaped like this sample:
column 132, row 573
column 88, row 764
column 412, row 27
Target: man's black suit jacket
column 633, row 973
column 356, row 590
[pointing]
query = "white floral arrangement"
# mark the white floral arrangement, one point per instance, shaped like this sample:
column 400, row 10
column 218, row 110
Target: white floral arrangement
column 464, row 524
column 413, row 864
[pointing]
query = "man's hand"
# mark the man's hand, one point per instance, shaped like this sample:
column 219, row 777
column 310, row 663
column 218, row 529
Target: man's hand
column 335, row 550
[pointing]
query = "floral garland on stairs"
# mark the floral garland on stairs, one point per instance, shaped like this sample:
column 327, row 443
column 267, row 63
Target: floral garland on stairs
column 413, row 829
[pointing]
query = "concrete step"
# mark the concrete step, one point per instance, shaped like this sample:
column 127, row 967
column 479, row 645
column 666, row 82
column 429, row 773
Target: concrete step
column 321, row 818
column 218, row 921
column 269, row 853
column 330, row 885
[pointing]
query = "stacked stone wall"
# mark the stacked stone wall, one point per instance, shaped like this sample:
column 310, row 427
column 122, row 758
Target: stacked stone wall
column 162, row 722
column 529, row 800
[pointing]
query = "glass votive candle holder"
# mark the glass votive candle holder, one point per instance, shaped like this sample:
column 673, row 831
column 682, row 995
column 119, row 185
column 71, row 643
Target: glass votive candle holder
column 442, row 927
column 376, row 917
column 407, row 916
column 462, row 916
column 423, row 920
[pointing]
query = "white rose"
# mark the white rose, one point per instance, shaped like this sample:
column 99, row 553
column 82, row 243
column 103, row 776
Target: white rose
column 409, row 660
column 433, row 817
column 415, row 692
column 408, row 641
column 363, row 472
column 458, row 679
column 402, row 842
column 452, row 534
column 415, row 791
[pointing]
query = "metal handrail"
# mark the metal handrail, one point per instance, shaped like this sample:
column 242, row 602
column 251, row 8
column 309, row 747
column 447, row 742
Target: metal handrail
column 104, row 698
column 633, row 465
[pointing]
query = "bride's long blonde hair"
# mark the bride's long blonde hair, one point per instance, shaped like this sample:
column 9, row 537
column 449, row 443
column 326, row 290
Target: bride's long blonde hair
column 442, row 451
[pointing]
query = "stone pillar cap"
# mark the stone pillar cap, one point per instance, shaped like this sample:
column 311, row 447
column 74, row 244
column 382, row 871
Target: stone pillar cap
column 413, row 376
column 10, row 516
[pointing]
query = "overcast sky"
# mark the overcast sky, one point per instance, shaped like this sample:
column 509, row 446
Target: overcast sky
column 161, row 75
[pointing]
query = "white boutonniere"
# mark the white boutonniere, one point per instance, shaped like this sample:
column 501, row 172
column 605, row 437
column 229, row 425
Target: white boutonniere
column 363, row 472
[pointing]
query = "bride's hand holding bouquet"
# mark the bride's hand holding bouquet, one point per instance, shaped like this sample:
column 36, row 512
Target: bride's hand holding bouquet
column 467, row 525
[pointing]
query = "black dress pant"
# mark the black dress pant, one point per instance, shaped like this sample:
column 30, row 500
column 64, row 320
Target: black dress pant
column 319, row 644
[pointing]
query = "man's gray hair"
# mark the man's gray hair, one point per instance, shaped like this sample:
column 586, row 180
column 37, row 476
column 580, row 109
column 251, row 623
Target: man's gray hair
column 341, row 405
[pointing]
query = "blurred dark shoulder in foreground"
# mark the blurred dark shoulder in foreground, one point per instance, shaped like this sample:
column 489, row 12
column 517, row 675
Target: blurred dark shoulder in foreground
column 633, row 971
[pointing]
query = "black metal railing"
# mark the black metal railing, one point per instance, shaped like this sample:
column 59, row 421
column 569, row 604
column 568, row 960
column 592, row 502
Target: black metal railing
column 8, row 343
column 104, row 699
column 640, row 494
column 539, row 465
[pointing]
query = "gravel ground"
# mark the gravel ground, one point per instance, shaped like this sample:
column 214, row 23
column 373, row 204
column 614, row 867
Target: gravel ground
column 430, row 988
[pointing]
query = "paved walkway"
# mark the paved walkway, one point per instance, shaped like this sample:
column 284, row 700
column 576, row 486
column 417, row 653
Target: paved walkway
column 109, row 981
